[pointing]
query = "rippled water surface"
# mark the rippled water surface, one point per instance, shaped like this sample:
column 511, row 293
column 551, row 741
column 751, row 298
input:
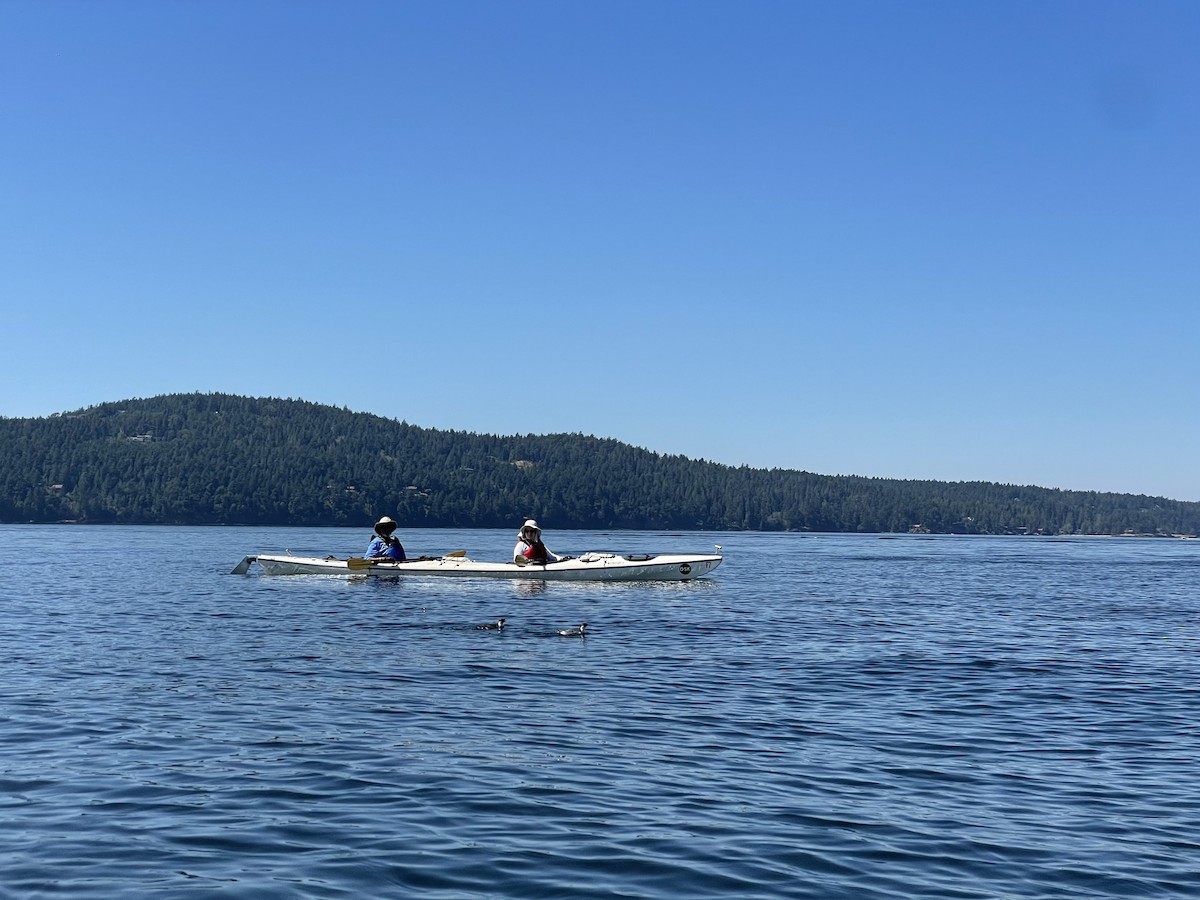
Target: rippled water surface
column 827, row 716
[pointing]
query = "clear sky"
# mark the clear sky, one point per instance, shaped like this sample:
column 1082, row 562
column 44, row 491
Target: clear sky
column 949, row 240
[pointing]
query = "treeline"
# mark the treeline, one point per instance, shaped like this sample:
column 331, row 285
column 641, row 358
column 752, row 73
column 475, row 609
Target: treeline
column 222, row 459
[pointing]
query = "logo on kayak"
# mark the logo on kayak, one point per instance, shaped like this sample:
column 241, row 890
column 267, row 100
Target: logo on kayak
column 685, row 569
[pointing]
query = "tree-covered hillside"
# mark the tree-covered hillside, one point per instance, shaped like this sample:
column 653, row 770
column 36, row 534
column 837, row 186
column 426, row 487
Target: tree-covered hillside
column 221, row 459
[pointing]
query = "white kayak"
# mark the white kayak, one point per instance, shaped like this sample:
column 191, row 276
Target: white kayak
column 588, row 567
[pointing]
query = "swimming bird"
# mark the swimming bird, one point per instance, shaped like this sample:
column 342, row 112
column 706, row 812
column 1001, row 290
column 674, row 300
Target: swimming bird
column 492, row 626
column 574, row 632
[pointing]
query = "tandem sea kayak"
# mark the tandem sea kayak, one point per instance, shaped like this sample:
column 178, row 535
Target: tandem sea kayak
column 588, row 567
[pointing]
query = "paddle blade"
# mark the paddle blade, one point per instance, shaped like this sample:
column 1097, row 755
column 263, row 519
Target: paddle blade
column 244, row 566
column 358, row 564
column 458, row 553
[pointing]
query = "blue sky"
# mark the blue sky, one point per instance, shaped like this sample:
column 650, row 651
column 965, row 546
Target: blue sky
column 936, row 240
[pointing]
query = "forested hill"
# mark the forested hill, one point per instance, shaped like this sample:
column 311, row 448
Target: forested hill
column 221, row 459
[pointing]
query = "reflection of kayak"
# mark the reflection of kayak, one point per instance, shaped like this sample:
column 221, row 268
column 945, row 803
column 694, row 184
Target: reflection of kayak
column 589, row 567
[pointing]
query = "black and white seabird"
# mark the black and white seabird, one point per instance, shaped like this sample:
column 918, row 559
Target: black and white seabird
column 492, row 626
column 574, row 632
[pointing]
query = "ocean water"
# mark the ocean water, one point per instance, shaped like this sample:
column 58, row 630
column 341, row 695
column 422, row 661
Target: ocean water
column 828, row 716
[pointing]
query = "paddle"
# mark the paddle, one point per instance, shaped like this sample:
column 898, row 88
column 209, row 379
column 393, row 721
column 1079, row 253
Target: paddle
column 358, row 564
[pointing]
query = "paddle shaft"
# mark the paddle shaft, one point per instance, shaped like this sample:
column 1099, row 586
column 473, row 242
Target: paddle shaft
column 359, row 563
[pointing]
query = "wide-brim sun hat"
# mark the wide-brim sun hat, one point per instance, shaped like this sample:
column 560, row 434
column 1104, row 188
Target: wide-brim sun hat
column 385, row 522
column 531, row 524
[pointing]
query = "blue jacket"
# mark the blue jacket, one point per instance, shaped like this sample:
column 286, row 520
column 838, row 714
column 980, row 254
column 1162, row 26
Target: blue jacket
column 380, row 547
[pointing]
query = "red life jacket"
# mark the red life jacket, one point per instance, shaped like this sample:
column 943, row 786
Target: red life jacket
column 536, row 551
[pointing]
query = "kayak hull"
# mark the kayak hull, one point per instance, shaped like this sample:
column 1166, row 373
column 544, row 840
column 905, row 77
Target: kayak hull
column 589, row 567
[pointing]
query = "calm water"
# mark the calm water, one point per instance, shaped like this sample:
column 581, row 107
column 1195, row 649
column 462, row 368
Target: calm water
column 828, row 716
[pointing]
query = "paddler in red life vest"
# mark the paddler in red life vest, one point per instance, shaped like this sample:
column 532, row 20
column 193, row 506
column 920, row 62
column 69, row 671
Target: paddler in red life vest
column 530, row 548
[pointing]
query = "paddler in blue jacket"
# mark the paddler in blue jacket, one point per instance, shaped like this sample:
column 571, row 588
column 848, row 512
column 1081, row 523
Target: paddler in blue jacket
column 530, row 548
column 384, row 545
